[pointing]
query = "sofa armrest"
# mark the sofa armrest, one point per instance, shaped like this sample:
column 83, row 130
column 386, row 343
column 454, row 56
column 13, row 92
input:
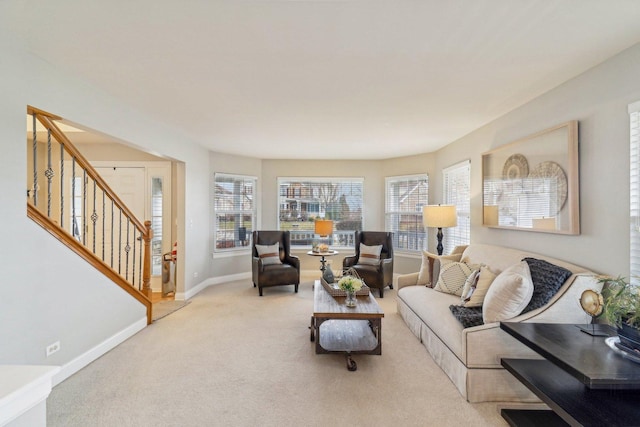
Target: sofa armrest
column 410, row 279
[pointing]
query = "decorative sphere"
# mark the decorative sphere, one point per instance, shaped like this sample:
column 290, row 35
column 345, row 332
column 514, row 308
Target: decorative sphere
column 592, row 302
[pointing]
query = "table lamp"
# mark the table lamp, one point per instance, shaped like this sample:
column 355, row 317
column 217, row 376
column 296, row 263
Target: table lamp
column 439, row 216
column 324, row 228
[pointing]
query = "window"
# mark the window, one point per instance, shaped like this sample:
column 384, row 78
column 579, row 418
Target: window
column 156, row 225
column 634, row 180
column 235, row 211
column 405, row 196
column 302, row 200
column 456, row 191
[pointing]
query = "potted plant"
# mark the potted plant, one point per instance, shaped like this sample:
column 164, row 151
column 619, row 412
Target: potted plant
column 622, row 310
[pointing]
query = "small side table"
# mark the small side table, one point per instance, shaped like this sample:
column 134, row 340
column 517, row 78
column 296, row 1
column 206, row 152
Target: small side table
column 322, row 256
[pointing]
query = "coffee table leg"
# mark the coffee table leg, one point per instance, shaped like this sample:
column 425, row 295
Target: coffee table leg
column 313, row 330
column 351, row 364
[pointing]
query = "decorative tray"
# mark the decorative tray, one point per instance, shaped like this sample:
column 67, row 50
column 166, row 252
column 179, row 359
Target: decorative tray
column 335, row 291
column 624, row 351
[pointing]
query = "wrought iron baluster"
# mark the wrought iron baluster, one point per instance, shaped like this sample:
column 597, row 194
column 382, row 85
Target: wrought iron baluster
column 112, row 234
column 62, row 185
column 104, row 220
column 49, row 173
column 94, row 215
column 133, row 259
column 84, row 207
column 35, row 163
column 74, row 226
column 120, row 244
column 127, row 248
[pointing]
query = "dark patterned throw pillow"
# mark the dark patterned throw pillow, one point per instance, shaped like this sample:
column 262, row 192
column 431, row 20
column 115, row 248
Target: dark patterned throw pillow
column 547, row 279
column 468, row 316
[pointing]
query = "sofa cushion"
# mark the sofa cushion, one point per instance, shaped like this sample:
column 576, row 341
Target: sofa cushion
column 485, row 279
column 432, row 308
column 547, row 278
column 453, row 276
column 269, row 254
column 369, row 254
column 509, row 294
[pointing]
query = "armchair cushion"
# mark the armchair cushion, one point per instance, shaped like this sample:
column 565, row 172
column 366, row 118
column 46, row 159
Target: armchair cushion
column 369, row 254
column 269, row 254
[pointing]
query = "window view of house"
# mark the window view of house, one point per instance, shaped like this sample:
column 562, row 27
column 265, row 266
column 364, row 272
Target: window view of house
column 235, row 211
column 302, row 200
column 405, row 197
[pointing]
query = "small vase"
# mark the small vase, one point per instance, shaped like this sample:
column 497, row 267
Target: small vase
column 351, row 300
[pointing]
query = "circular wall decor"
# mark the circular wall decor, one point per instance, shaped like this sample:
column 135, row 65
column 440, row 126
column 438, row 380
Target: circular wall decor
column 553, row 170
column 515, row 167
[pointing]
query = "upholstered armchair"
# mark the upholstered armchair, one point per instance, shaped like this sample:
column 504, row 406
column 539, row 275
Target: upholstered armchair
column 271, row 267
column 374, row 261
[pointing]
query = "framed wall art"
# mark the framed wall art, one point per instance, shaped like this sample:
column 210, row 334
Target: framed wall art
column 533, row 184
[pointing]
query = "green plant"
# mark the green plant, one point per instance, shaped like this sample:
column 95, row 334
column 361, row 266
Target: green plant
column 621, row 302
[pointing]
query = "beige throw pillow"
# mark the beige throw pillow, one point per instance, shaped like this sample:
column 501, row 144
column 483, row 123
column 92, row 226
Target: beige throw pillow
column 453, row 276
column 469, row 286
column 429, row 261
column 479, row 291
column 369, row 254
column 269, row 254
column 509, row 294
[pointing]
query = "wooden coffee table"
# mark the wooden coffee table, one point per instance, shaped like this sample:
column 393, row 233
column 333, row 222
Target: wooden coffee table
column 336, row 328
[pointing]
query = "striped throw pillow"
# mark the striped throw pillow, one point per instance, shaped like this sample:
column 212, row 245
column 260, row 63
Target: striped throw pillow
column 269, row 254
column 369, row 254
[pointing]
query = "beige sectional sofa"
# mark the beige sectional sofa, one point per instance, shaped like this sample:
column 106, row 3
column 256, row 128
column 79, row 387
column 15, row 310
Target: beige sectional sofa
column 471, row 356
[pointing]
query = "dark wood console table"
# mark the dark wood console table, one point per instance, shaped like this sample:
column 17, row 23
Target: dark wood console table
column 582, row 380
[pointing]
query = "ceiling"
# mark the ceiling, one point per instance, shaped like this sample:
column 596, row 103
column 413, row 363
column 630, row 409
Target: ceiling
column 327, row 79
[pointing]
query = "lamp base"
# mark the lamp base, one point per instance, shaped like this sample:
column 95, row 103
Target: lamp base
column 440, row 247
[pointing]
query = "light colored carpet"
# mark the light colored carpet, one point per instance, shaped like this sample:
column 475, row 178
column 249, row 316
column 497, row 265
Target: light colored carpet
column 232, row 358
column 164, row 308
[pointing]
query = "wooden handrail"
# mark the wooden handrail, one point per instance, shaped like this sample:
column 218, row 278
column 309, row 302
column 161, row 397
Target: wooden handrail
column 144, row 229
column 71, row 149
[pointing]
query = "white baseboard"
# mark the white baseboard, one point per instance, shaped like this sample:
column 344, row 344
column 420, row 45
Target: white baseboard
column 84, row 359
column 211, row 281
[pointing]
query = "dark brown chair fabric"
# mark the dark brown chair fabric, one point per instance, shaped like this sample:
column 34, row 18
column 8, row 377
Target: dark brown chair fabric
column 287, row 273
column 375, row 276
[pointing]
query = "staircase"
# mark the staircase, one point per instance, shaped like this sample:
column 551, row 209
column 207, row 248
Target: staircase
column 69, row 199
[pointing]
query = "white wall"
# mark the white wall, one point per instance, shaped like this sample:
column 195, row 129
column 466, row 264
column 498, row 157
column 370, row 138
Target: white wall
column 48, row 293
column 598, row 99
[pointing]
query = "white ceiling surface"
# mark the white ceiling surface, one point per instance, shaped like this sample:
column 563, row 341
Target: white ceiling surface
column 324, row 79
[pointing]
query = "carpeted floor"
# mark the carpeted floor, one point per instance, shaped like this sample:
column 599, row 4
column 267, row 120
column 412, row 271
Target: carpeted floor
column 232, row 358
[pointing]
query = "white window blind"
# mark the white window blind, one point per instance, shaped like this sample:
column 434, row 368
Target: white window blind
column 634, row 180
column 302, row 200
column 235, row 211
column 457, row 191
column 404, row 198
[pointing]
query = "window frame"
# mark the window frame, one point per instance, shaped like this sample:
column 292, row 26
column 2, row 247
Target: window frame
column 634, row 193
column 460, row 234
column 242, row 212
column 419, row 236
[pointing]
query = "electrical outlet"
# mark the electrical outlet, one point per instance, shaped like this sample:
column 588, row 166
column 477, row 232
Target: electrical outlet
column 53, row 348
column 195, row 275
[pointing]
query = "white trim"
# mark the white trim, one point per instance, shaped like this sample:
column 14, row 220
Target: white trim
column 23, row 388
column 232, row 175
column 92, row 354
column 405, row 177
column 229, row 253
column 209, row 282
column 457, row 165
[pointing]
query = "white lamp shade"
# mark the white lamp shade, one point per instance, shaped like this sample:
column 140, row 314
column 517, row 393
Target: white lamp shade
column 439, row 216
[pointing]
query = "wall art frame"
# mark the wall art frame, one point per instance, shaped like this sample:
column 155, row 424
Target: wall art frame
column 532, row 184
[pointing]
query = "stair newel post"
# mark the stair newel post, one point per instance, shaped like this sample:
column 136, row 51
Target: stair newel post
column 146, row 270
